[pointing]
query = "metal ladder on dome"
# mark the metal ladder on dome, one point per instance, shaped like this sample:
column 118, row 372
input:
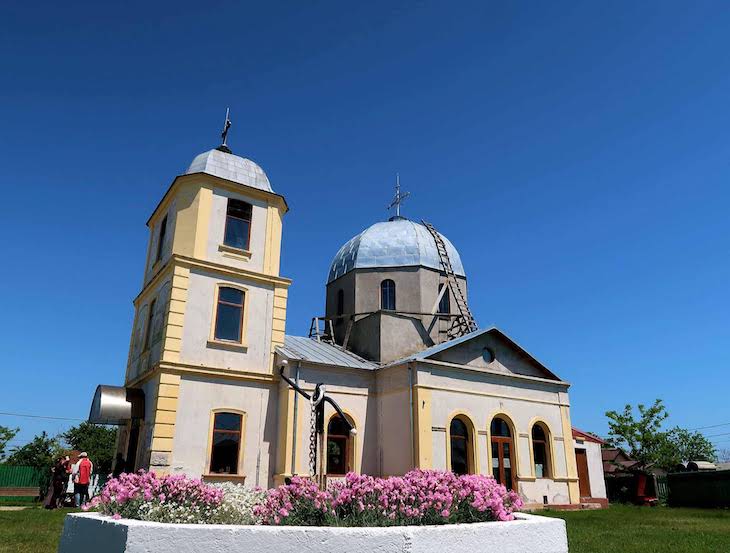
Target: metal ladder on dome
column 464, row 323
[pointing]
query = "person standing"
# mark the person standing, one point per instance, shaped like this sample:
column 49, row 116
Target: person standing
column 82, row 478
column 58, row 478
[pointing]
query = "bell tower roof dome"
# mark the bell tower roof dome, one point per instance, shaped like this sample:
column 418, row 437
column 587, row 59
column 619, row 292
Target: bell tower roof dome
column 222, row 163
column 398, row 242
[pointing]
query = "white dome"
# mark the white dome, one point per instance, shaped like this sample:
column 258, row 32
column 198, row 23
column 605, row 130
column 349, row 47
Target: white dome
column 395, row 243
column 230, row 167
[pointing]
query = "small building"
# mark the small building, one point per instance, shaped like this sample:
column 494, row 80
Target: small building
column 397, row 348
column 589, row 464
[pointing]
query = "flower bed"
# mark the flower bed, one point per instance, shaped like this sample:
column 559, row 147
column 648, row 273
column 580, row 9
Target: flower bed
column 418, row 498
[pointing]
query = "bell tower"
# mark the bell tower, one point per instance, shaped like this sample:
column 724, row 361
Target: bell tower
column 211, row 311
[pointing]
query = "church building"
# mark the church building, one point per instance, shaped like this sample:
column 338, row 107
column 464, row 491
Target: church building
column 397, row 348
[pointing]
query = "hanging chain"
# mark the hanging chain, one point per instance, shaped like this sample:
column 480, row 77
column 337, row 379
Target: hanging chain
column 312, row 438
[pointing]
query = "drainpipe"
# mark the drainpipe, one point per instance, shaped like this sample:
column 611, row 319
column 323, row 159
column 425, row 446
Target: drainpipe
column 296, row 418
column 410, row 401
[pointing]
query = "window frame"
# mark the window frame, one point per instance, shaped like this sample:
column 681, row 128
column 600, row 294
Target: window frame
column 247, row 247
column 241, row 342
column 499, row 441
column 148, row 327
column 472, row 459
column 383, row 284
column 239, row 475
column 444, row 301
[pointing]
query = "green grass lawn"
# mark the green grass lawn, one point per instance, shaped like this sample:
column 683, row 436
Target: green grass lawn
column 619, row 529
column 33, row 530
column 628, row 529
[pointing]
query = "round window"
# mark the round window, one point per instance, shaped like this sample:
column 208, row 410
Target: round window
column 487, row 355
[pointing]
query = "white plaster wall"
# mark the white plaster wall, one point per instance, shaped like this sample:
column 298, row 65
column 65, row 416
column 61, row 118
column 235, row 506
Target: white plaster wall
column 595, row 467
column 525, row 534
column 353, row 390
column 216, row 231
column 198, row 398
column 199, row 319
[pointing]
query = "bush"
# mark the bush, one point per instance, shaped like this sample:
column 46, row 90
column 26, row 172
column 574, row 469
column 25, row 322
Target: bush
column 420, row 497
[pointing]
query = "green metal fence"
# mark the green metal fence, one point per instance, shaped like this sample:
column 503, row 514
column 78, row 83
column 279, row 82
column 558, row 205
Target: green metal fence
column 662, row 488
column 20, row 477
column 699, row 489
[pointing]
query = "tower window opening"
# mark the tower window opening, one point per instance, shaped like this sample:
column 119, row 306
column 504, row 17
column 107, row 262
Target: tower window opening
column 229, row 314
column 238, row 224
column 387, row 295
column 150, row 322
column 340, row 302
column 445, row 301
column 161, row 238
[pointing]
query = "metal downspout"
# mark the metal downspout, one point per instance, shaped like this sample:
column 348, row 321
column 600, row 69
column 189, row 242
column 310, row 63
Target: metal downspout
column 296, row 417
column 410, row 400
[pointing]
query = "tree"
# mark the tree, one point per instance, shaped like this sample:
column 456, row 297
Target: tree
column 688, row 446
column 39, row 453
column 98, row 441
column 6, row 434
column 642, row 439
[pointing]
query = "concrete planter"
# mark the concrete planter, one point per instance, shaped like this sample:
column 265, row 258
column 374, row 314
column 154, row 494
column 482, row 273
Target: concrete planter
column 526, row 534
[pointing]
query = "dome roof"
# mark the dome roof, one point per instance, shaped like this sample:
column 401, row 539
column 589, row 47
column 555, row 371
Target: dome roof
column 230, row 167
column 395, row 243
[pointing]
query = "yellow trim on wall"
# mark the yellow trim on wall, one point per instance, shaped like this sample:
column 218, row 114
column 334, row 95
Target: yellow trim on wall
column 467, row 418
column 571, row 464
column 285, row 433
column 423, row 423
column 486, row 394
column 202, row 227
column 241, row 445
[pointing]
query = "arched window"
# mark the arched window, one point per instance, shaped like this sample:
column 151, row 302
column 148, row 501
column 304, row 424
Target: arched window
column 540, row 451
column 444, row 302
column 387, row 295
column 503, row 453
column 339, row 447
column 460, row 446
column 340, row 302
column 225, row 444
column 229, row 314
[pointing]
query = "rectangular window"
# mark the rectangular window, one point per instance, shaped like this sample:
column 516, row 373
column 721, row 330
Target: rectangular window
column 229, row 314
column 161, row 238
column 444, row 302
column 238, row 224
column 226, row 446
column 148, row 330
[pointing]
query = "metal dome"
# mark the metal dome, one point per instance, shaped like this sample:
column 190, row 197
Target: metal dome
column 394, row 243
column 230, row 167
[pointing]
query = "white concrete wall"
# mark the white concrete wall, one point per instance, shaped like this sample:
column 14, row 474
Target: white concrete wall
column 198, row 398
column 216, row 231
column 595, row 467
column 525, row 534
column 199, row 320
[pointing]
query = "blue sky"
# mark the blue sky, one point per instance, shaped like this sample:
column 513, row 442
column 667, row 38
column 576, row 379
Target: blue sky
column 577, row 154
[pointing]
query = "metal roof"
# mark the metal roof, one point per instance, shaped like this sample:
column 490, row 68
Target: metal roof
column 395, row 243
column 230, row 167
column 301, row 348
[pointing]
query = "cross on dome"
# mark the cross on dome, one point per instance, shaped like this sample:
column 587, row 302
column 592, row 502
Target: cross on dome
column 399, row 198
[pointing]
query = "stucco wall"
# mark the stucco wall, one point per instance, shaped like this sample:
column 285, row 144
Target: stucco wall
column 152, row 265
column 198, row 398
column 480, row 397
column 216, row 231
column 141, row 359
column 353, row 390
column 199, row 319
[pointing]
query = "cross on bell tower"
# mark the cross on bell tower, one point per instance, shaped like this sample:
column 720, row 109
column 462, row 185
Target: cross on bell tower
column 399, row 198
